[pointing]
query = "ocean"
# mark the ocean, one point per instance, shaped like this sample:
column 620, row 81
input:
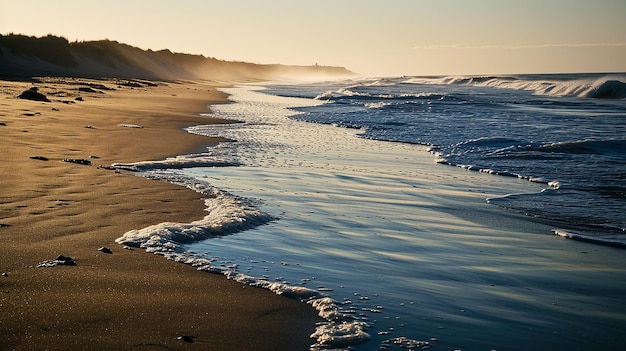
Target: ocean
column 419, row 212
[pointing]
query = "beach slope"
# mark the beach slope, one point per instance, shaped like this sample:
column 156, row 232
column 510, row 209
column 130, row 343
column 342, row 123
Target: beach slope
column 56, row 200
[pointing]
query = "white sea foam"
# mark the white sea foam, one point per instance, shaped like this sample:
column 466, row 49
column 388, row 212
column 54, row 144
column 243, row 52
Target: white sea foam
column 336, row 335
column 178, row 162
column 327, row 95
column 377, row 104
column 341, row 330
column 227, row 214
column 555, row 184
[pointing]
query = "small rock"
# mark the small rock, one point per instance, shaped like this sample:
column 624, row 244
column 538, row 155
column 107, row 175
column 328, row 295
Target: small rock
column 128, row 248
column 80, row 98
column 105, row 250
column 130, row 84
column 80, row 161
column 32, row 94
column 40, row 158
column 5, row 274
column 2, row 124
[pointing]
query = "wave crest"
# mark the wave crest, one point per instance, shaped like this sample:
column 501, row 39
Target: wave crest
column 608, row 87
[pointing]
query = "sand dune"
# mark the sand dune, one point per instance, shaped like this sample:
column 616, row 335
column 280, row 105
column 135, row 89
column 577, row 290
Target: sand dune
column 23, row 56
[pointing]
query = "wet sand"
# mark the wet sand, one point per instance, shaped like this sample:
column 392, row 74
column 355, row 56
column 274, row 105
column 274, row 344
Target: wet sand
column 48, row 207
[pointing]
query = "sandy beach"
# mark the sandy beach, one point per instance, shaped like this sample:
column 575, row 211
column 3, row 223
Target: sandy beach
column 126, row 299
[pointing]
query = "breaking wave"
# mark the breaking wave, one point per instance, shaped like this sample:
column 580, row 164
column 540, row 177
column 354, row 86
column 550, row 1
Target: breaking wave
column 607, row 87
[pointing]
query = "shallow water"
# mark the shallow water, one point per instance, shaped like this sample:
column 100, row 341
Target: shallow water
column 408, row 246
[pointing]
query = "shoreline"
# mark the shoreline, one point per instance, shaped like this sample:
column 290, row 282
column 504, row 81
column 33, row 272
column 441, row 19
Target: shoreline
column 387, row 223
column 49, row 207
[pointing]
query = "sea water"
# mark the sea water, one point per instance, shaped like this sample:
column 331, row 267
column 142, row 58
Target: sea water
column 395, row 250
column 568, row 131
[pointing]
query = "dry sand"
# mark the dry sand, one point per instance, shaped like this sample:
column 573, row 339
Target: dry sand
column 127, row 299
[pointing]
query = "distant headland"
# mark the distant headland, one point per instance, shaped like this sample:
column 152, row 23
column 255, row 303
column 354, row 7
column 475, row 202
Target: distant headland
column 24, row 56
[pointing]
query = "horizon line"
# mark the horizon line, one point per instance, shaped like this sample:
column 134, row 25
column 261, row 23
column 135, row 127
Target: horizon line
column 515, row 47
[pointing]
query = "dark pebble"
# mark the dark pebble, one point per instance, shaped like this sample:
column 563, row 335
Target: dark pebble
column 69, row 262
column 80, row 98
column 33, row 94
column 5, row 274
column 80, row 161
column 186, row 338
column 40, row 158
column 105, row 250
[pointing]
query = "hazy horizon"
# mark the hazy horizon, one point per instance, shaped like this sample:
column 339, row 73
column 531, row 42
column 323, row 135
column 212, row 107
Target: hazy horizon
column 370, row 38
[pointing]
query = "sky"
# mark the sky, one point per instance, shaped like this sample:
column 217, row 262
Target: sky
column 372, row 38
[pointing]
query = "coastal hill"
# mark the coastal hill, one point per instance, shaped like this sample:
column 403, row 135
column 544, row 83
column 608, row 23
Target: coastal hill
column 26, row 56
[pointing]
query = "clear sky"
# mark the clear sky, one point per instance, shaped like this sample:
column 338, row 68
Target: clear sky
column 377, row 38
